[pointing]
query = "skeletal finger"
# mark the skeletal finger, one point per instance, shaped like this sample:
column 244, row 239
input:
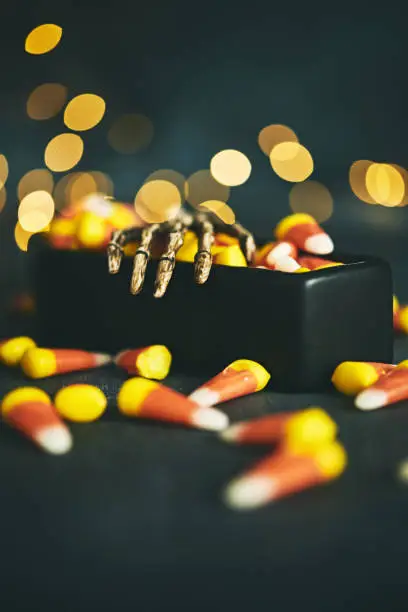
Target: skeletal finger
column 203, row 258
column 168, row 260
column 119, row 240
column 247, row 241
column 142, row 257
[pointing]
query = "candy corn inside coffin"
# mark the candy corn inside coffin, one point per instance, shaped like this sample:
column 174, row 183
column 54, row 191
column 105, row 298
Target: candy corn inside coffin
column 231, row 256
column 269, row 253
column 351, row 377
column 401, row 319
column 80, row 403
column 304, row 231
column 139, row 397
column 13, row 349
column 40, row 363
column 389, row 389
column 281, row 474
column 150, row 362
column 316, row 263
column 29, row 411
column 241, row 377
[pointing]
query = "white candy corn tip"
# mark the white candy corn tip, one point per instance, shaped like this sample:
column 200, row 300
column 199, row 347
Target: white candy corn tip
column 281, row 250
column 119, row 356
column 286, row 264
column 232, row 434
column 248, row 492
column 102, row 359
column 210, row 418
column 320, row 244
column 205, row 397
column 55, row 440
column 370, row 399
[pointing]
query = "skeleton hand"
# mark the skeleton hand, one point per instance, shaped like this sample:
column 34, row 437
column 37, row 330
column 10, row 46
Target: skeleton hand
column 203, row 224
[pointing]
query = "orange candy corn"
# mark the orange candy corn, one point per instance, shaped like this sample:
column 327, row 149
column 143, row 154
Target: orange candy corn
column 12, row 350
column 241, row 377
column 304, row 231
column 401, row 319
column 315, row 263
column 29, row 410
column 282, row 474
column 351, row 377
column 40, row 363
column 149, row 362
column 265, row 430
column 268, row 254
column 139, row 397
column 389, row 389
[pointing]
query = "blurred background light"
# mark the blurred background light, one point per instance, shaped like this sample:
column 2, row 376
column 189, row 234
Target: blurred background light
column 357, row 180
column 221, row 209
column 39, row 179
column 274, row 134
column 313, row 198
column 46, row 101
column 74, row 186
column 36, row 210
column 3, row 198
column 172, row 176
column 43, row 38
column 385, row 184
column 4, row 170
column 63, row 152
column 202, row 187
column 21, row 237
column 230, row 167
column 291, row 161
column 157, row 201
column 84, row 112
column 131, row 133
column 404, row 175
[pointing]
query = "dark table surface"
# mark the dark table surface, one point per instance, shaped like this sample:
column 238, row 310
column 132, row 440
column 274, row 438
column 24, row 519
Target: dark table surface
column 132, row 517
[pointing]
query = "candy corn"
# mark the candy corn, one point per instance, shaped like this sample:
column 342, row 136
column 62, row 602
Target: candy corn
column 304, row 231
column 188, row 249
column 281, row 474
column 298, row 430
column 269, row 253
column 139, row 397
column 92, row 231
column 13, row 349
column 80, row 403
column 401, row 319
column 231, row 256
column 351, row 377
column 29, row 410
column 390, row 388
column 149, row 362
column 316, row 263
column 62, row 233
column 40, row 363
column 241, row 377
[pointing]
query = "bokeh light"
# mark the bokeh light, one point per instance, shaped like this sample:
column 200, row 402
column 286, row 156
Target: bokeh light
column 3, row 198
column 46, row 101
column 81, row 185
column 404, row 175
column 291, row 161
column 131, row 133
column 202, row 187
column 36, row 210
column 43, row 38
column 230, row 167
column 157, row 201
column 63, row 152
column 221, row 209
column 4, row 170
column 313, row 198
column 385, row 184
column 84, row 112
column 21, row 237
column 75, row 185
column 274, row 134
column 357, row 179
column 39, row 179
column 169, row 175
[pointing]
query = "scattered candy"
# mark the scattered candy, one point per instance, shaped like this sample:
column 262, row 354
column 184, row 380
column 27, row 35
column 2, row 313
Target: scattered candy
column 282, row 474
column 351, row 377
column 241, row 377
column 389, row 389
column 29, row 410
column 308, row 430
column 40, row 362
column 12, row 350
column 139, row 397
column 80, row 403
column 304, row 231
column 150, row 362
